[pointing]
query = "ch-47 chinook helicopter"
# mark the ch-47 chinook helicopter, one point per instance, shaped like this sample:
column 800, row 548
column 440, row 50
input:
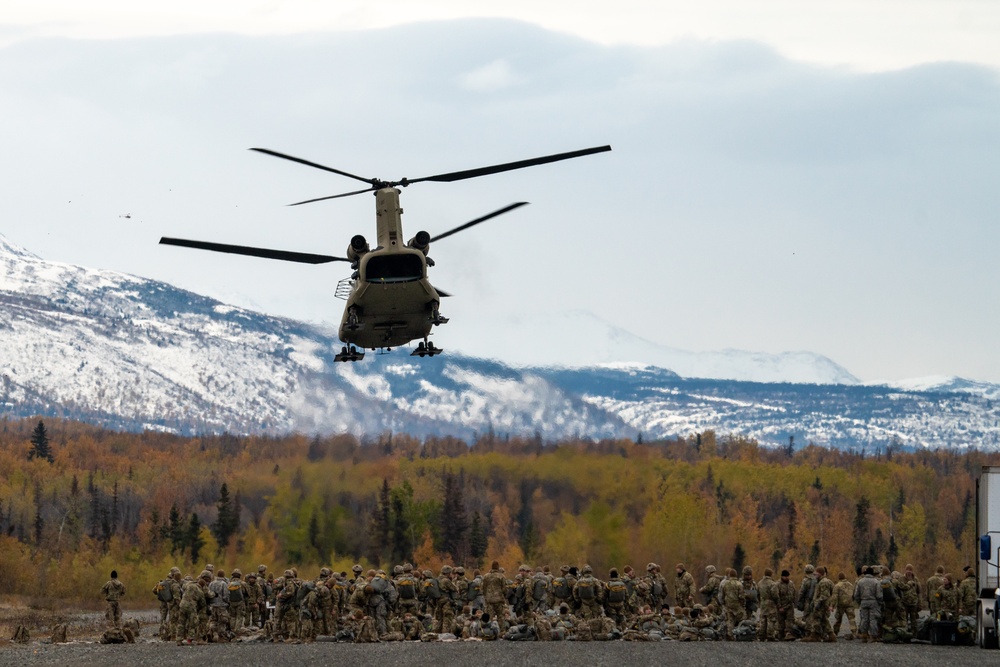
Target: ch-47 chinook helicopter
column 390, row 301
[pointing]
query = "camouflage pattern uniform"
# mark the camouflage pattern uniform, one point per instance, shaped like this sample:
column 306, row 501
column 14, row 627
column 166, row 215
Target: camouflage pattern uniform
column 934, row 582
column 238, row 594
column 752, row 599
column 615, row 598
column 658, row 593
column 219, row 607
column 767, row 590
column 495, row 595
column 324, row 602
column 285, row 621
column 255, row 599
column 947, row 600
column 192, row 605
column 821, row 608
column 407, row 587
column 684, row 587
column 843, row 599
column 113, row 591
column 587, row 594
column 733, row 601
column 910, row 594
column 711, row 588
column 786, row 593
column 804, row 603
column 968, row 594
column 445, row 616
column 176, row 591
column 308, row 611
column 868, row 595
column 161, row 590
column 562, row 588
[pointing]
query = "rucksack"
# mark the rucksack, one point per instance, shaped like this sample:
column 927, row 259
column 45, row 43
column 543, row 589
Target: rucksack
column 432, row 590
column 475, row 590
column 163, row 592
column 585, row 589
column 561, row 588
column 539, row 588
column 407, row 588
column 888, row 592
column 617, row 592
column 235, row 591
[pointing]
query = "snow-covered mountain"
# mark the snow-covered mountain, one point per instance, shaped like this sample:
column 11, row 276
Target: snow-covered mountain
column 132, row 353
column 595, row 341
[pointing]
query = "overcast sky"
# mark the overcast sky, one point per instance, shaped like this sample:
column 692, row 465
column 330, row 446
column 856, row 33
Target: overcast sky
column 804, row 176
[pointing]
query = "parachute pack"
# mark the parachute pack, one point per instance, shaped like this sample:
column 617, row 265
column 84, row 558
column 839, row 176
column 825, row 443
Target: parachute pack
column 617, row 591
column 163, row 592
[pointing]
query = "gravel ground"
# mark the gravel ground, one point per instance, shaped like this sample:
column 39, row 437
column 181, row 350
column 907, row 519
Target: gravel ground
column 495, row 654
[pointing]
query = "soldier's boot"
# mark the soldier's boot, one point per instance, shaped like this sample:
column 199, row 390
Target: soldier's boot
column 849, row 636
column 832, row 637
column 789, row 637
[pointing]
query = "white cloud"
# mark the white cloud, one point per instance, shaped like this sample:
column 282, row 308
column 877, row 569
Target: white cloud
column 490, row 78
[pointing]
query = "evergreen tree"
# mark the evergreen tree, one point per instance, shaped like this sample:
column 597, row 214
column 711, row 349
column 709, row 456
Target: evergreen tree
column 814, row 553
column 892, row 553
column 739, row 558
column 381, row 524
column 314, row 535
column 194, row 538
column 39, row 523
column 402, row 545
column 227, row 522
column 860, row 532
column 177, row 534
column 40, row 444
column 478, row 540
column 454, row 525
column 792, row 520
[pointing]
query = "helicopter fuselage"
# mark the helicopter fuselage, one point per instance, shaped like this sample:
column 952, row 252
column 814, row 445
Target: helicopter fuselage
column 391, row 301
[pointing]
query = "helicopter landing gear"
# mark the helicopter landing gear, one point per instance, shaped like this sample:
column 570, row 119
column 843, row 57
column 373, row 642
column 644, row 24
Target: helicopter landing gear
column 350, row 353
column 426, row 349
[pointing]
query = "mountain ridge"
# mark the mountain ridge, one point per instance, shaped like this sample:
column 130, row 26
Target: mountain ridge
column 132, row 353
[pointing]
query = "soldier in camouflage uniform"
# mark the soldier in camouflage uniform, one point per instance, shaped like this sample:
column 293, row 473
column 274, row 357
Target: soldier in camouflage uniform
column 255, row 600
column 910, row 597
column 733, row 601
column 804, row 601
column 162, row 593
column 309, row 613
column 587, row 594
column 934, row 582
column 615, row 598
column 786, row 593
column 868, row 595
column 449, row 598
column 947, row 600
column 822, row 598
column 286, row 610
column 683, row 586
column 495, row 595
column 462, row 584
column 843, row 602
column 113, row 591
column 238, row 593
column 174, row 611
column 191, row 606
column 218, row 602
column 968, row 593
column 659, row 595
column 752, row 599
column 711, row 588
column 767, row 591
column 407, row 588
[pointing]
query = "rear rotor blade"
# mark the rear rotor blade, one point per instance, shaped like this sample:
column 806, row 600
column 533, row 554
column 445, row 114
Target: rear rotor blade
column 267, row 253
column 509, row 166
column 283, row 156
column 486, row 217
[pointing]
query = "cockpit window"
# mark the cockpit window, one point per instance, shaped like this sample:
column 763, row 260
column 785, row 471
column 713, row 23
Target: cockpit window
column 401, row 268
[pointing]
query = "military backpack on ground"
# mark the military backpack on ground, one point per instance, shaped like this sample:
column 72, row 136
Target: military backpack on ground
column 163, row 592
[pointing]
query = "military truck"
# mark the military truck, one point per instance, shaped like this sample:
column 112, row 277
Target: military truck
column 988, row 570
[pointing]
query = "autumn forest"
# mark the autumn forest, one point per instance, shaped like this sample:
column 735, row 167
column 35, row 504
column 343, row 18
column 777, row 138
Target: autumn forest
column 77, row 501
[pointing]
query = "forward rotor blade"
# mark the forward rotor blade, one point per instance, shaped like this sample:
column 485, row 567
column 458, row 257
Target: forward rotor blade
column 509, row 166
column 267, row 253
column 486, row 217
column 343, row 194
column 267, row 151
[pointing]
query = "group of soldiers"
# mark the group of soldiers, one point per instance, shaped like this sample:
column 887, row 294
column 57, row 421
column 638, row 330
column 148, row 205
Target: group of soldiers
column 539, row 604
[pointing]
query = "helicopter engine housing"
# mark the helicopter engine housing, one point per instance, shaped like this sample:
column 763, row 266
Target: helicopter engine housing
column 357, row 248
column 421, row 242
